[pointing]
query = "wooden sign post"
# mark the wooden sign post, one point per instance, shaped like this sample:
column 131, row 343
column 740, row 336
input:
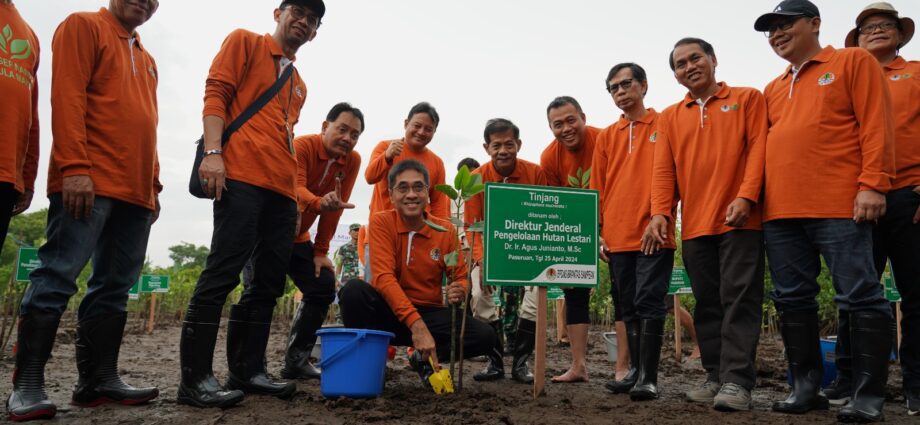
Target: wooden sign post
column 539, row 367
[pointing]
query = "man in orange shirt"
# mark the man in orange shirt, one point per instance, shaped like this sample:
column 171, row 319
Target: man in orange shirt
column 103, row 186
column 567, row 163
column 19, row 150
column 831, row 127
column 327, row 167
column 883, row 33
column 621, row 172
column 253, row 179
column 502, row 143
column 711, row 152
column 404, row 296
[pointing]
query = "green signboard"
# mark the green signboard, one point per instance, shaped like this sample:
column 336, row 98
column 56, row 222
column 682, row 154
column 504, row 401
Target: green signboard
column 135, row 291
column 680, row 282
column 554, row 294
column 540, row 236
column 28, row 261
column 891, row 291
column 154, row 283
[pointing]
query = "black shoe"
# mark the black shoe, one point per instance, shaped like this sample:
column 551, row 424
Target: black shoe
column 495, row 370
column 803, row 352
column 308, row 319
column 523, row 349
column 198, row 386
column 34, row 341
column 871, row 345
column 422, row 367
column 247, row 337
column 97, row 347
column 624, row 385
column 839, row 392
column 646, row 387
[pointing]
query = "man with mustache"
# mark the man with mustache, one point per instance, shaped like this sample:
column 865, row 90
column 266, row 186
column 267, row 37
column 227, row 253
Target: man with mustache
column 253, row 179
column 103, row 186
column 831, row 127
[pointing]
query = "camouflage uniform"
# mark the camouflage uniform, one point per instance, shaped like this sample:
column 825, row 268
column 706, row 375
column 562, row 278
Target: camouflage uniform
column 347, row 257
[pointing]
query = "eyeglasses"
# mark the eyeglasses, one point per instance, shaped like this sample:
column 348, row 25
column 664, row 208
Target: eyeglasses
column 884, row 26
column 416, row 188
column 782, row 26
column 299, row 13
column 625, row 85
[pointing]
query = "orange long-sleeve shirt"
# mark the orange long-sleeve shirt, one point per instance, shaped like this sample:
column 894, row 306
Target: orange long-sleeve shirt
column 621, row 172
column 19, row 116
column 259, row 153
column 362, row 239
column 831, row 135
column 525, row 172
column 904, row 83
column 712, row 155
column 104, row 109
column 378, row 168
column 561, row 165
column 316, row 176
column 408, row 266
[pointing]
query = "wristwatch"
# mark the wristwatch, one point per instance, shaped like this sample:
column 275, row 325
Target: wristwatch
column 213, row 152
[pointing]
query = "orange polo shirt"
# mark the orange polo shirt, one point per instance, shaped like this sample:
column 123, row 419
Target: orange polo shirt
column 621, row 172
column 904, row 84
column 831, row 135
column 711, row 155
column 561, row 165
column 378, row 168
column 316, row 176
column 409, row 266
column 104, row 109
column 525, row 172
column 362, row 239
column 19, row 116
column 259, row 153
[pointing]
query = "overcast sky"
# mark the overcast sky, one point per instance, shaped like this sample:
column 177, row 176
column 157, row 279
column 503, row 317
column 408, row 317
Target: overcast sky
column 472, row 59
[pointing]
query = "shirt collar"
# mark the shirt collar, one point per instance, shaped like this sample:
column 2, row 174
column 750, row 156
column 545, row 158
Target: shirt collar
column 723, row 92
column 119, row 28
column 274, row 48
column 401, row 227
column 647, row 119
column 324, row 156
column 825, row 55
column 515, row 174
column 897, row 63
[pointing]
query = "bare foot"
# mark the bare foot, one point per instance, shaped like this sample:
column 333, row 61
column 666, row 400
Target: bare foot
column 695, row 354
column 571, row 376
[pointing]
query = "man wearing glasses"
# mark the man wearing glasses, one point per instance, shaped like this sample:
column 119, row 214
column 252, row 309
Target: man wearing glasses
column 502, row 144
column 711, row 152
column 404, row 296
column 253, row 181
column 829, row 163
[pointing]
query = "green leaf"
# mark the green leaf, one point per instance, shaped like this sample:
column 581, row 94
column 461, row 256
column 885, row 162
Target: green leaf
column 20, row 49
column 434, row 226
column 478, row 226
column 586, row 178
column 450, row 260
column 574, row 182
column 473, row 181
column 7, row 33
column 3, row 44
column 475, row 190
column 447, row 190
column 463, row 176
column 456, row 221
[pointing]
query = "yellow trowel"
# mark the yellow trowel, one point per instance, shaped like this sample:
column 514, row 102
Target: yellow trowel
column 440, row 380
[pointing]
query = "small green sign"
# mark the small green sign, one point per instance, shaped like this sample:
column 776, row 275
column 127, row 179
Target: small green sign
column 540, row 236
column 135, row 291
column 680, row 282
column 891, row 291
column 154, row 283
column 28, row 261
column 554, row 294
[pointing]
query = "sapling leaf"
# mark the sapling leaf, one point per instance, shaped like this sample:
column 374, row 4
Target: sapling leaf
column 478, row 226
column 434, row 226
column 450, row 260
column 447, row 190
column 463, row 176
column 573, row 182
column 456, row 222
column 586, row 178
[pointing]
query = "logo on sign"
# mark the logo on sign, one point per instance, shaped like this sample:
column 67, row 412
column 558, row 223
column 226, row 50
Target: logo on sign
column 551, row 273
column 826, row 79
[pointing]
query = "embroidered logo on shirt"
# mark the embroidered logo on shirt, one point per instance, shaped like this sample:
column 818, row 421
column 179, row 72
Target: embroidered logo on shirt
column 826, row 79
column 733, row 107
column 897, row 77
column 298, row 91
column 17, row 49
column 152, row 72
column 653, row 137
column 436, row 254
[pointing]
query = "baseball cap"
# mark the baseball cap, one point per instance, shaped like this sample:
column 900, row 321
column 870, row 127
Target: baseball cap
column 317, row 6
column 354, row 226
column 785, row 9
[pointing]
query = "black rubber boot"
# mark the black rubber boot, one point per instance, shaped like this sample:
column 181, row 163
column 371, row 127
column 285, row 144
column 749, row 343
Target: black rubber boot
column 839, row 392
column 308, row 319
column 247, row 337
column 523, row 348
column 97, row 347
column 803, row 352
column 646, row 387
column 871, row 345
column 495, row 370
column 198, row 386
column 623, row 386
column 34, row 341
column 499, row 333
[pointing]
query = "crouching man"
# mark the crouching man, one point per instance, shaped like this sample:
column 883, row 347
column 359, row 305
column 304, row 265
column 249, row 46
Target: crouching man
column 408, row 260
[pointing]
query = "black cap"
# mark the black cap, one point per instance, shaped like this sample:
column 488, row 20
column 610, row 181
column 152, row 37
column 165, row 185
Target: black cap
column 785, row 9
column 317, row 6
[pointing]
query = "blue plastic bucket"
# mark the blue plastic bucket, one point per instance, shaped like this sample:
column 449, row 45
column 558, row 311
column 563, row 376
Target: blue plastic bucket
column 353, row 362
column 828, row 354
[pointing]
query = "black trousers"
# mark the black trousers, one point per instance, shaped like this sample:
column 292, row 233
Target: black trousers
column 249, row 221
column 8, row 195
column 318, row 291
column 641, row 282
column 577, row 311
column 364, row 308
column 726, row 273
column 897, row 237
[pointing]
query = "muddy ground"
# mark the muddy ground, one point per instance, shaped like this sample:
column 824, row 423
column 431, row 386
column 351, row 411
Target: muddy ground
column 154, row 360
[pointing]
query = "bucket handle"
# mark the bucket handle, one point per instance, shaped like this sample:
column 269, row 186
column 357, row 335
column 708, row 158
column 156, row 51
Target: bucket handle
column 325, row 362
